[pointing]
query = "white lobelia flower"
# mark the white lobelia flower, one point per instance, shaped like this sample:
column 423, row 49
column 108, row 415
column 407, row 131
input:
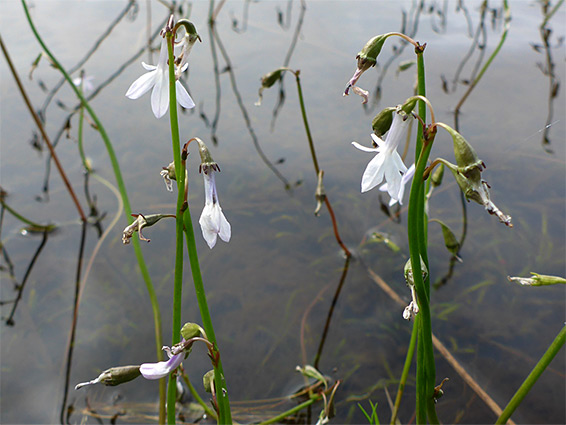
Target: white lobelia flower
column 212, row 221
column 158, row 78
column 387, row 163
column 404, row 180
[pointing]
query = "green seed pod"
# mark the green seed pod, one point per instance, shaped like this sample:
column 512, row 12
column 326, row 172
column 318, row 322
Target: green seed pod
column 191, row 330
column 208, row 381
column 271, row 78
column 367, row 57
column 437, row 176
column 382, row 121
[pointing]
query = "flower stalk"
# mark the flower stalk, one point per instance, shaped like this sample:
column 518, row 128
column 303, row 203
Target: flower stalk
column 184, row 225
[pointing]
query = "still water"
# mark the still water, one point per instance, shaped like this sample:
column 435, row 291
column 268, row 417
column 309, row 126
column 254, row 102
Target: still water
column 271, row 287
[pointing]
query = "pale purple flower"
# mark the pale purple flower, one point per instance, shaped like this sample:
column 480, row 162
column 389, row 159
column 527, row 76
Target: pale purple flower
column 158, row 79
column 162, row 369
column 212, row 221
column 387, row 163
column 404, row 180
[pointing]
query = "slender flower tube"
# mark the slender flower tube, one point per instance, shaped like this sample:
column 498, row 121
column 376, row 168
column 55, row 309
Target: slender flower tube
column 157, row 78
column 387, row 163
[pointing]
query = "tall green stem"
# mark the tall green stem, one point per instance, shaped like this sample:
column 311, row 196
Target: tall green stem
column 178, row 283
column 184, row 223
column 127, row 209
column 418, row 249
column 406, row 369
column 539, row 368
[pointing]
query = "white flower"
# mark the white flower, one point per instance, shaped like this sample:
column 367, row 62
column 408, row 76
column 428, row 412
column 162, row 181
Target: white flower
column 387, row 163
column 158, row 78
column 212, row 221
column 404, row 180
column 85, row 83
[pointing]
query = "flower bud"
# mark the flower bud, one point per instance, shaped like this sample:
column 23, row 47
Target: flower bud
column 208, row 381
column 114, row 376
column 191, row 330
column 538, row 280
column 382, row 121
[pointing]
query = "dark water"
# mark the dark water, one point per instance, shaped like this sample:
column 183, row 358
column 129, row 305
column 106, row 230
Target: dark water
column 279, row 272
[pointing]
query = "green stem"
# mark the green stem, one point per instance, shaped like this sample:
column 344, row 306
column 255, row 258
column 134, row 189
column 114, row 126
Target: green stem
column 406, row 369
column 539, row 368
column 198, row 398
column 418, row 249
column 305, row 121
column 224, row 415
column 178, row 283
column 127, row 209
column 280, row 418
column 36, row 226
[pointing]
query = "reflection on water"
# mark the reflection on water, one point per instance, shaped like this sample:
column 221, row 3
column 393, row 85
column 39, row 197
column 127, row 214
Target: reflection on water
column 273, row 289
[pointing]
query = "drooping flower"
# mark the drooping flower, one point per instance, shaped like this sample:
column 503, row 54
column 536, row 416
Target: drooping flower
column 162, row 369
column 387, row 163
column 212, row 221
column 404, row 180
column 157, row 78
column 366, row 58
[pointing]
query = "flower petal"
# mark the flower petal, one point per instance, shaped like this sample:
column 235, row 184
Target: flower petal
column 373, row 175
column 209, row 233
column 161, row 369
column 149, row 67
column 160, row 94
column 364, row 148
column 183, row 97
column 142, row 85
